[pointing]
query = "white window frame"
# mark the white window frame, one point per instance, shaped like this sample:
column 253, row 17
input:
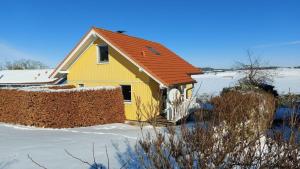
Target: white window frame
column 98, row 54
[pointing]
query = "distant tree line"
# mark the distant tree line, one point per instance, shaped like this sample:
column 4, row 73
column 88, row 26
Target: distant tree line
column 22, row 64
column 297, row 67
column 210, row 69
column 245, row 67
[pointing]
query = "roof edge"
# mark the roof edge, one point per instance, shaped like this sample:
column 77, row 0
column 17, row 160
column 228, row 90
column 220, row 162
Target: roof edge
column 66, row 57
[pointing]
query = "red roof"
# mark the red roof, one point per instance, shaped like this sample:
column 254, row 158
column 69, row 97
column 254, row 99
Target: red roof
column 156, row 59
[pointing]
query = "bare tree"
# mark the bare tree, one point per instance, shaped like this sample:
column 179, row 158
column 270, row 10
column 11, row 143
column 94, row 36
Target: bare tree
column 23, row 64
column 254, row 72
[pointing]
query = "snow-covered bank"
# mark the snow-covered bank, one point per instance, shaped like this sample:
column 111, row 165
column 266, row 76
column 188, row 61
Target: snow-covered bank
column 46, row 146
column 285, row 80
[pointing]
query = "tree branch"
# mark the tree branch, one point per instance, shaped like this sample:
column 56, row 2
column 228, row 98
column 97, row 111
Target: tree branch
column 36, row 163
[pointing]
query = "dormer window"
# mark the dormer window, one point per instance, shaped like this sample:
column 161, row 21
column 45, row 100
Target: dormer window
column 103, row 54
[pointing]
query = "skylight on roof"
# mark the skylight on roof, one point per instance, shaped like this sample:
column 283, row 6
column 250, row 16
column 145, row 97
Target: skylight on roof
column 153, row 50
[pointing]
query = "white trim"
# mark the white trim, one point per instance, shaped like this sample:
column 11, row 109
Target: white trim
column 90, row 34
column 128, row 101
column 102, row 63
column 63, row 72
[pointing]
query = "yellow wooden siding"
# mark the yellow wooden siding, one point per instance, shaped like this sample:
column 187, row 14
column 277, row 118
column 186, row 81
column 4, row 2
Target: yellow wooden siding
column 119, row 71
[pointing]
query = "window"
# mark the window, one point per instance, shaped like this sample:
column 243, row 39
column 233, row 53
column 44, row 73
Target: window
column 126, row 90
column 81, row 85
column 103, row 54
column 153, row 50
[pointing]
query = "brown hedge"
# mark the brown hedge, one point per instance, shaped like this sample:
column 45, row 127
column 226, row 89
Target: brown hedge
column 61, row 109
column 240, row 106
column 61, row 87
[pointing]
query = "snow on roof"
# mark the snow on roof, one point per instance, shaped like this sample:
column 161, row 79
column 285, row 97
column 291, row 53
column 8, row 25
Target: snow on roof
column 26, row 76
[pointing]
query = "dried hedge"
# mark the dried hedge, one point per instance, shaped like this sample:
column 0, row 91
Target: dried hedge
column 252, row 107
column 65, row 109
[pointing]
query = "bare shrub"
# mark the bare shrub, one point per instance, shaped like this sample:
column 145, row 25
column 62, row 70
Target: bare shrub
column 234, row 137
column 254, row 72
column 289, row 100
column 92, row 165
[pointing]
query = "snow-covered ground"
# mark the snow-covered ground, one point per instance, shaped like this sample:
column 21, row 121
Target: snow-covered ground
column 46, row 146
column 26, row 76
column 285, row 80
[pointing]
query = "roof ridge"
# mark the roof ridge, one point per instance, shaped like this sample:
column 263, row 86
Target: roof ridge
column 126, row 35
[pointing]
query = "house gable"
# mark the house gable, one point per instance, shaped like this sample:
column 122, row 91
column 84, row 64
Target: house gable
column 83, row 45
column 167, row 69
column 118, row 70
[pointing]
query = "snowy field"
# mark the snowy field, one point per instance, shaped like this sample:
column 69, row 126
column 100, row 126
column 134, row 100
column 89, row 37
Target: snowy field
column 46, row 146
column 285, row 80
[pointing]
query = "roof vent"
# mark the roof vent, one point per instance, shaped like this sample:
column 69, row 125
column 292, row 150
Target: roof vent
column 143, row 53
column 153, row 50
column 120, row 31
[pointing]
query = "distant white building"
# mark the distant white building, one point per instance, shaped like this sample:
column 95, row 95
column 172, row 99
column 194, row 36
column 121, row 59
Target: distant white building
column 22, row 78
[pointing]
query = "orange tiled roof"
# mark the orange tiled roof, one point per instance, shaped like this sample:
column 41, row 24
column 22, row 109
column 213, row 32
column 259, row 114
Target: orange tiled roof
column 161, row 63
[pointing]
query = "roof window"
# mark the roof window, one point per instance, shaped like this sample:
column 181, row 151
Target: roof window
column 153, row 50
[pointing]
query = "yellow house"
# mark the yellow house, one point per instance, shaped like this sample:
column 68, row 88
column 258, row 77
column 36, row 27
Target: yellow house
column 145, row 70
